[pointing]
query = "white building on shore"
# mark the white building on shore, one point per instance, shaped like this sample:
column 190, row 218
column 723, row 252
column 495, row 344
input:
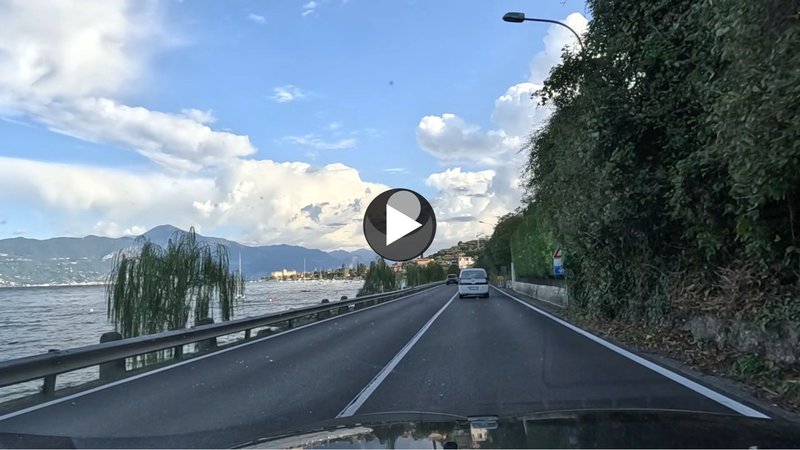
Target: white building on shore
column 283, row 274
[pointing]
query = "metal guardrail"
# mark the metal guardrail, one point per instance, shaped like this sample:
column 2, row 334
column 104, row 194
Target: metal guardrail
column 48, row 365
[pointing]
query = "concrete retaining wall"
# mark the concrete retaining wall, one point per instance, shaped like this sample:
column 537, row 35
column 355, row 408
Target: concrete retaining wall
column 551, row 294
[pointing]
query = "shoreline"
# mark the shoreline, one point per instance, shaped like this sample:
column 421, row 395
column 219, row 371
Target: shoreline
column 24, row 286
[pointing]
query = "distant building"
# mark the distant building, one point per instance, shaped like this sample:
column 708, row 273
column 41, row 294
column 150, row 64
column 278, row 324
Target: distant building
column 465, row 262
column 283, row 274
column 397, row 267
column 422, row 262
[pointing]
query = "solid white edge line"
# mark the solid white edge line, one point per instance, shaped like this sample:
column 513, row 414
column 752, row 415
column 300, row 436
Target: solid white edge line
column 367, row 391
column 188, row 361
column 680, row 379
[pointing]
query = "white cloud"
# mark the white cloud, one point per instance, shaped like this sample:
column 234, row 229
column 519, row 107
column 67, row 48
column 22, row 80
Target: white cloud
column 516, row 113
column 288, row 93
column 178, row 142
column 464, row 198
column 66, row 64
column 333, row 126
column 62, row 62
column 73, row 48
column 309, row 8
column 466, row 204
column 451, row 139
column 315, row 141
column 256, row 18
column 77, row 191
column 113, row 229
column 310, row 5
column 199, row 116
column 263, row 200
column 555, row 40
column 402, row 170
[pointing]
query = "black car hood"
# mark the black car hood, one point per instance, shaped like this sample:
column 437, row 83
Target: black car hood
column 564, row 429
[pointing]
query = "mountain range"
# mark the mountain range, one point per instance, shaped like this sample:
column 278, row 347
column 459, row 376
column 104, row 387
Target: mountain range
column 68, row 260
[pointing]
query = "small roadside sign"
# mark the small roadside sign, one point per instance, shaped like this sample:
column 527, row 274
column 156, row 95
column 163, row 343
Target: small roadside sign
column 558, row 266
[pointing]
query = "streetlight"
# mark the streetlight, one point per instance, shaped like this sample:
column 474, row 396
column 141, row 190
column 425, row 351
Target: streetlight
column 519, row 17
column 479, row 239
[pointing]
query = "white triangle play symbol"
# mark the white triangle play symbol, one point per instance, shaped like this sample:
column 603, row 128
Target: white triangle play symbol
column 398, row 225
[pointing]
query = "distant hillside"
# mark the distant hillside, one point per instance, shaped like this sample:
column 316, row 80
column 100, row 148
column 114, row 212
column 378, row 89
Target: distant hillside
column 82, row 260
column 465, row 248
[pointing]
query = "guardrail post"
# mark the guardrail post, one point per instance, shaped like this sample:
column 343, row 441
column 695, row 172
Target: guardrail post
column 49, row 386
column 343, row 310
column 112, row 370
column 247, row 334
column 210, row 343
column 324, row 314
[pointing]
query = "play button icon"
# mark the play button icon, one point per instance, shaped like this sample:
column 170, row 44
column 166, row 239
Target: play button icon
column 399, row 224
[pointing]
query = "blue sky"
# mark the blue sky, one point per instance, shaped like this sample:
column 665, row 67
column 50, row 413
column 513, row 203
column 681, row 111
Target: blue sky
column 240, row 117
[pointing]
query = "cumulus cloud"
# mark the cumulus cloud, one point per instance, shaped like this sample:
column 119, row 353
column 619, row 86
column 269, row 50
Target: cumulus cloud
column 555, row 40
column 484, row 195
column 62, row 63
column 263, row 201
column 73, row 48
column 113, row 229
column 288, row 93
column 291, row 202
column 451, row 139
column 65, row 65
column 516, row 113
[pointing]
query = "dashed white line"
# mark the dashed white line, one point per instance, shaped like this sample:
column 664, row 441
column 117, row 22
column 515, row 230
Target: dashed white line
column 365, row 393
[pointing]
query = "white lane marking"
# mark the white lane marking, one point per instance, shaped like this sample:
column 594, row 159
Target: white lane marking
column 365, row 393
column 188, row 361
column 680, row 379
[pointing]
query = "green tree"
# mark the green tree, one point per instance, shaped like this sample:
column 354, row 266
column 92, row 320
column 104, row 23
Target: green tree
column 496, row 252
column 412, row 274
column 159, row 289
column 379, row 278
column 533, row 244
column 453, row 269
column 673, row 148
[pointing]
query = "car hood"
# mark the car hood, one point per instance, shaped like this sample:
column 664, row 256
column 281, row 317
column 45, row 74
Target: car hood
column 562, row 429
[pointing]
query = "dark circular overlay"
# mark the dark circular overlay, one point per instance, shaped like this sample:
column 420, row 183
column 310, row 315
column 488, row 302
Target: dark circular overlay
column 413, row 206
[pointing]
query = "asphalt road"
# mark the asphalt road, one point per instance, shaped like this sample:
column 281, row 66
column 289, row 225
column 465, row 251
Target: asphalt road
column 428, row 352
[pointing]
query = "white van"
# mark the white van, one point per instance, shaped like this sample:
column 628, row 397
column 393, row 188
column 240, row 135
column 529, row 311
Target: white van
column 473, row 282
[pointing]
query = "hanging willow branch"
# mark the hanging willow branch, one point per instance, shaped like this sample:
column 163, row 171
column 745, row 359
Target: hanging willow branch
column 158, row 289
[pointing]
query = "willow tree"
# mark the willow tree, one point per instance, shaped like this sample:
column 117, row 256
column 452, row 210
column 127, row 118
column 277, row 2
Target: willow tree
column 379, row 278
column 160, row 288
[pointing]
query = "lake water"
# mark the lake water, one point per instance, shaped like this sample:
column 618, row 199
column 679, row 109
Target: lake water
column 36, row 319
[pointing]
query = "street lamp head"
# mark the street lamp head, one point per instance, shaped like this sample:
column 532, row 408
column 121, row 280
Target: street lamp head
column 514, row 17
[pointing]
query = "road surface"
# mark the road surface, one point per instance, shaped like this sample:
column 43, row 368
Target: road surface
column 428, row 352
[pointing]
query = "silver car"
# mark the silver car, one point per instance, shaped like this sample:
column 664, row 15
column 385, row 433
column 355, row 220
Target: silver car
column 473, row 282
